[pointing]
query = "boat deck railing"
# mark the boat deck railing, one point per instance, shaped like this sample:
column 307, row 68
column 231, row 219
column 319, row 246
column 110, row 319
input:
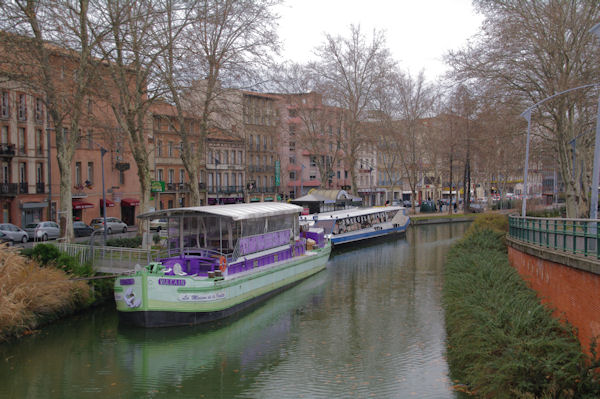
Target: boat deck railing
column 574, row 236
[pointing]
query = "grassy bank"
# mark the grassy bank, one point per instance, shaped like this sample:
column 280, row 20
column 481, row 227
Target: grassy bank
column 43, row 287
column 502, row 342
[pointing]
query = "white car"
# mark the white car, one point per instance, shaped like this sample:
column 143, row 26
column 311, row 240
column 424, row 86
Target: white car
column 42, row 230
column 14, row 233
column 158, row 224
column 113, row 225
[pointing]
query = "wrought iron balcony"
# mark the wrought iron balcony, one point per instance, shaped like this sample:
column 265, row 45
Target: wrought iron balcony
column 40, row 188
column 7, row 150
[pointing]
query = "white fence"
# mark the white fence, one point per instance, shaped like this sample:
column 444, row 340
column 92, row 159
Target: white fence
column 109, row 259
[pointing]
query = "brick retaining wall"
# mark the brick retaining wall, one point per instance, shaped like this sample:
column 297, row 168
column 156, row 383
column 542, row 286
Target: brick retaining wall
column 573, row 291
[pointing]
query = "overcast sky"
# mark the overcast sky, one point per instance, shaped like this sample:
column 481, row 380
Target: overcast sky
column 418, row 32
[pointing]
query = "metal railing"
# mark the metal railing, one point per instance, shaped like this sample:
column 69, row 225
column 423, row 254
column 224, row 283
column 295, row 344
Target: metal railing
column 109, row 259
column 575, row 236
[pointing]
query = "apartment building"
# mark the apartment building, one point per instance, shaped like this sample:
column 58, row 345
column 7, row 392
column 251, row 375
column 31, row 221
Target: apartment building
column 261, row 130
column 23, row 155
column 313, row 142
column 29, row 173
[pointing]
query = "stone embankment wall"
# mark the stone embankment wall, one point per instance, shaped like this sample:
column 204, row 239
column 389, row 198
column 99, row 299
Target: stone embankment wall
column 569, row 284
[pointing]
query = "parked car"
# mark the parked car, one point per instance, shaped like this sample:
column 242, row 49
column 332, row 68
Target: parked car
column 407, row 203
column 42, row 230
column 14, row 233
column 112, row 225
column 81, row 229
column 158, row 224
column 4, row 239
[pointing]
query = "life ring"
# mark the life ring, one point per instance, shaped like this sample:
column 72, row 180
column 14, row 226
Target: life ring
column 222, row 263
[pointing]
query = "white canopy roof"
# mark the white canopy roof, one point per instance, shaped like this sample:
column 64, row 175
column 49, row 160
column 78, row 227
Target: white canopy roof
column 234, row 211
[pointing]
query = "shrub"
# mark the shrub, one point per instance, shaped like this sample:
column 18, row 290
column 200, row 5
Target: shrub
column 130, row 242
column 502, row 342
column 31, row 295
column 50, row 255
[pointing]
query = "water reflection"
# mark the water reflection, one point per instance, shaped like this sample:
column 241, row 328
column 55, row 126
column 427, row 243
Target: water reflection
column 371, row 324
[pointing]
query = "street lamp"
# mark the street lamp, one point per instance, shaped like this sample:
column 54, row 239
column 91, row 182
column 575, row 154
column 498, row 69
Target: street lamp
column 102, row 152
column 596, row 168
column 527, row 115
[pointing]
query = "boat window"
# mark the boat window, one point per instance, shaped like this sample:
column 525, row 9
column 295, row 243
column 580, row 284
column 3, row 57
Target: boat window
column 282, row 222
column 254, row 227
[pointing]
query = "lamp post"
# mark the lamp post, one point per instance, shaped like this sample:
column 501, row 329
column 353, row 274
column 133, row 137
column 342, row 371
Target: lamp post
column 527, row 115
column 102, row 152
column 596, row 168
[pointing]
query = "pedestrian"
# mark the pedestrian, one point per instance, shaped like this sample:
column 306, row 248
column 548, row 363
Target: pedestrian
column 454, row 205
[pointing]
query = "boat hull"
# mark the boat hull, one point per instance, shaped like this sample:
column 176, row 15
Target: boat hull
column 149, row 300
column 366, row 234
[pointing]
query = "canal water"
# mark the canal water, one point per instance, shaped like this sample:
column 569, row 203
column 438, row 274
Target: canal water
column 370, row 325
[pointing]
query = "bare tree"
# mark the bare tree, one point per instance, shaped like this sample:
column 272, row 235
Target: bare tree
column 535, row 49
column 348, row 72
column 415, row 101
column 51, row 40
column 210, row 45
column 132, row 50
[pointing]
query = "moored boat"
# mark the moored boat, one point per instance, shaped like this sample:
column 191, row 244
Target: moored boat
column 219, row 260
column 357, row 224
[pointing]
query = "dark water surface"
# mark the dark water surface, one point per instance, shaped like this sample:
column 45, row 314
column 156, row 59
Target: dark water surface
column 370, row 325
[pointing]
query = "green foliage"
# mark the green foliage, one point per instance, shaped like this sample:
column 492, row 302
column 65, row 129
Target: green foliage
column 547, row 213
column 488, row 221
column 49, row 255
column 130, row 242
column 502, row 342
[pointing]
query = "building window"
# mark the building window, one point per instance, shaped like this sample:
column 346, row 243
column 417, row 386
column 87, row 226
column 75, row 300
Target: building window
column 4, row 135
column 22, row 172
column 39, row 110
column 171, row 175
column 78, row 173
column 225, row 156
column 313, row 177
column 89, row 139
column 292, row 146
column 210, row 181
column 160, row 175
column 39, row 172
column 121, row 177
column 181, row 176
column 240, row 180
column 226, row 179
column 22, row 107
column 90, row 173
column 170, row 149
column 292, row 175
column 233, row 157
column 159, row 148
column 21, row 140
column 170, row 204
column 4, row 105
column 5, row 174
column 313, row 161
column 240, row 160
column 218, row 180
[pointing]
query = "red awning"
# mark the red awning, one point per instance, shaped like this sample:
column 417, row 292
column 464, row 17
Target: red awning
column 109, row 203
column 81, row 205
column 130, row 202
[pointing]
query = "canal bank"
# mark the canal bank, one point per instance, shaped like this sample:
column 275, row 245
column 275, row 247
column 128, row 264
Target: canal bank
column 501, row 340
column 370, row 325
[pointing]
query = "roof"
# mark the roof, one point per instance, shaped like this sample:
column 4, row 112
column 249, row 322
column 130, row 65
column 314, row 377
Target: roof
column 352, row 212
column 234, row 211
column 326, row 196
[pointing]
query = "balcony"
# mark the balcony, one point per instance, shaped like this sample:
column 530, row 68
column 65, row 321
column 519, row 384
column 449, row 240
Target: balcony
column 40, row 188
column 13, row 189
column 177, row 187
column 7, row 150
column 225, row 190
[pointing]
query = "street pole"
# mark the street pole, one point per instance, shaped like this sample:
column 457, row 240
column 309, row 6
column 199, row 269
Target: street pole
column 102, row 152
column 49, row 141
column 527, row 116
